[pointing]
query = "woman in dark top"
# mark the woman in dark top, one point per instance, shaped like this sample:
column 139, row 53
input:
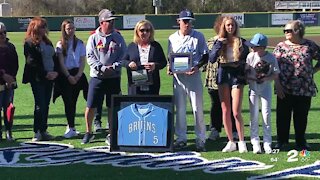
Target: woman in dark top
column 40, row 72
column 8, row 72
column 143, row 59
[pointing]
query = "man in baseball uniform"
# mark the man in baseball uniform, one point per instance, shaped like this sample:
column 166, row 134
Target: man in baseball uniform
column 188, row 40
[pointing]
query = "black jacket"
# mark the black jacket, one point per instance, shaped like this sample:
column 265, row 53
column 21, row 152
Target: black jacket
column 34, row 69
column 156, row 55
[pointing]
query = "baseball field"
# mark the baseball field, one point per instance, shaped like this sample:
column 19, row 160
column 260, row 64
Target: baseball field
column 71, row 160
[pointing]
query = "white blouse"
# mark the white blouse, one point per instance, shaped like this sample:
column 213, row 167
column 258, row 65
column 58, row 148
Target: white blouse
column 72, row 60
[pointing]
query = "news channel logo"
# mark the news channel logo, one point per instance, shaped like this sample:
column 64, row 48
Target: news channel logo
column 294, row 155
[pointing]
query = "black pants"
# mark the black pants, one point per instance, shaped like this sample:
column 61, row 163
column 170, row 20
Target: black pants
column 299, row 107
column 98, row 114
column 6, row 97
column 70, row 95
column 42, row 91
column 216, row 112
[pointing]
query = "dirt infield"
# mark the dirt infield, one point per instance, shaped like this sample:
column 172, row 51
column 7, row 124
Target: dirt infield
column 275, row 40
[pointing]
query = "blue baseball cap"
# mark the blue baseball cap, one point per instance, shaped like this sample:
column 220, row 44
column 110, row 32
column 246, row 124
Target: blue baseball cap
column 186, row 14
column 258, row 40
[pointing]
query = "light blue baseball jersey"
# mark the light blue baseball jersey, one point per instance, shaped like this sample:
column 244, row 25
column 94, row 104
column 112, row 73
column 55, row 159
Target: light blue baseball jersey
column 142, row 125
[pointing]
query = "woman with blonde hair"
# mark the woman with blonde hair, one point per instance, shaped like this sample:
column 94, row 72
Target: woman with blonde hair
column 144, row 56
column 40, row 72
column 231, row 52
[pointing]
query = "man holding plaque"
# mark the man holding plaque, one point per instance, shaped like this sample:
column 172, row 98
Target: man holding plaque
column 187, row 52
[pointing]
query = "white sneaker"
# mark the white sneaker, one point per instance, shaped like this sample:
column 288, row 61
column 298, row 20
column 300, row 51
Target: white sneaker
column 267, row 148
column 231, row 146
column 71, row 132
column 214, row 134
column 256, row 148
column 242, row 147
column 108, row 142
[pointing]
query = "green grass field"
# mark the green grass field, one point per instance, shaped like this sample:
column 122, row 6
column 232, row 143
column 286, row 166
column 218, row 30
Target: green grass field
column 23, row 124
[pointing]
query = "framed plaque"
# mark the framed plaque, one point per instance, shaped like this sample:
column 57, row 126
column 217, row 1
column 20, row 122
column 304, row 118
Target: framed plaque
column 180, row 62
column 142, row 123
column 140, row 77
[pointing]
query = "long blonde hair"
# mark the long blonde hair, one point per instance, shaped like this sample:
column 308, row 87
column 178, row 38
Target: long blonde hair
column 236, row 41
column 136, row 38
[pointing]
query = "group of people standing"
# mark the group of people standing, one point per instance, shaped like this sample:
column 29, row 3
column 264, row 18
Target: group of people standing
column 230, row 66
column 290, row 66
column 54, row 71
column 227, row 59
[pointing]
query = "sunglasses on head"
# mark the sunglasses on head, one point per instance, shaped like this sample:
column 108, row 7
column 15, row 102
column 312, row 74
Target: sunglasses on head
column 288, row 31
column 3, row 32
column 144, row 30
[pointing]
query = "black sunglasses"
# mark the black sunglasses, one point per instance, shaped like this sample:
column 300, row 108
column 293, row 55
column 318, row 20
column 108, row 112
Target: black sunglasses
column 287, row 30
column 144, row 30
column 3, row 33
column 110, row 21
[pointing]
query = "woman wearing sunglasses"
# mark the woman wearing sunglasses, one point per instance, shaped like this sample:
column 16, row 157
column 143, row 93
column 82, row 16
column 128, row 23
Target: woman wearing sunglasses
column 143, row 60
column 296, row 85
column 8, row 72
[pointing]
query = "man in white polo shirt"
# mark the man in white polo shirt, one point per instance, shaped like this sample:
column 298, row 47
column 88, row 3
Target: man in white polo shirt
column 189, row 83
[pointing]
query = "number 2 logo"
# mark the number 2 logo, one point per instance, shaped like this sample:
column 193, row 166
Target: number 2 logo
column 292, row 156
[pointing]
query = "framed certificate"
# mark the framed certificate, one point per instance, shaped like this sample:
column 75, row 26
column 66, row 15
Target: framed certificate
column 180, row 62
column 141, row 77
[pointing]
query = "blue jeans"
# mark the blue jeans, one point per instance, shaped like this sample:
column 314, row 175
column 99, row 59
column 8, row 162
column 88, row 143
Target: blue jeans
column 6, row 97
column 42, row 94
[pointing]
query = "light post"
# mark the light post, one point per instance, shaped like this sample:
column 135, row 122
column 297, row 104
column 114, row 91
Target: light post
column 156, row 4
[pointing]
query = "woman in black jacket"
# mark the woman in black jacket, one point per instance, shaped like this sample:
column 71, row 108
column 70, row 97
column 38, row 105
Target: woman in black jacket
column 8, row 71
column 143, row 60
column 40, row 72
